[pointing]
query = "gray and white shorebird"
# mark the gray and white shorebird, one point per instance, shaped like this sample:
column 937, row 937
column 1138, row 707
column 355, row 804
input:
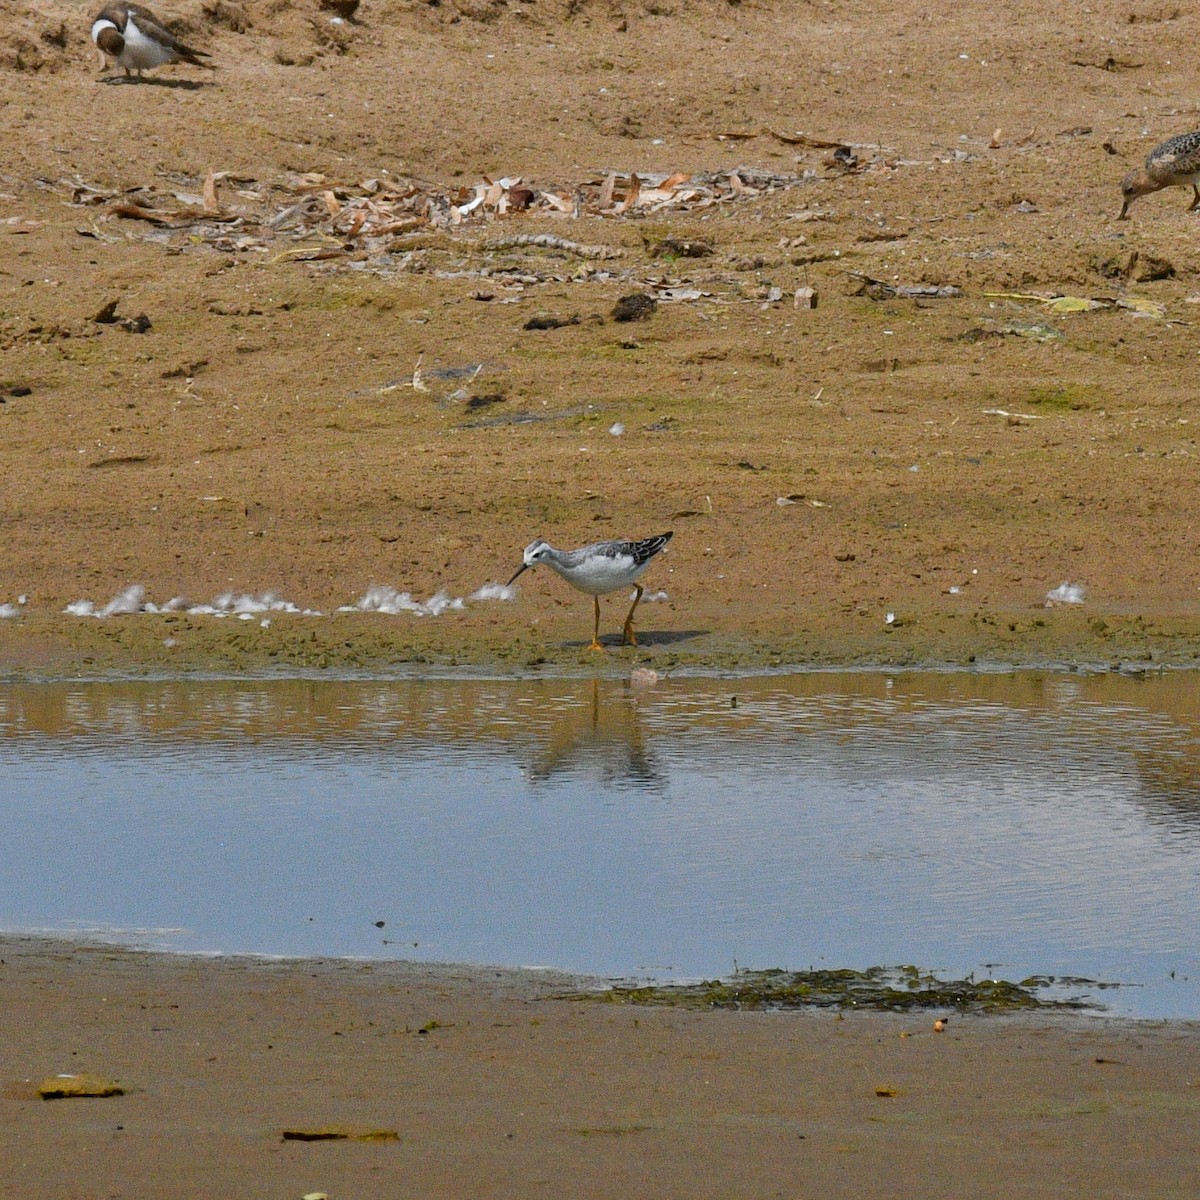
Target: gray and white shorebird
column 598, row 569
column 1176, row 163
column 139, row 41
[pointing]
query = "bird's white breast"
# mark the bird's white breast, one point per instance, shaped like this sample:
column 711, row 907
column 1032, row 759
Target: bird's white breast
column 600, row 574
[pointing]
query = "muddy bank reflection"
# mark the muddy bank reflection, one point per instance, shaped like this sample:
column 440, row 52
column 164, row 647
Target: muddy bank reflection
column 936, row 724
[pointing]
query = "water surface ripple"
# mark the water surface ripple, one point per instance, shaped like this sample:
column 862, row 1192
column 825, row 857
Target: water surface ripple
column 1002, row 824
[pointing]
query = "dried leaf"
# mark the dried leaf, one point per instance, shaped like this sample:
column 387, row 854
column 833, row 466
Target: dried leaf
column 550, row 242
column 631, row 198
column 307, row 254
column 63, row 1087
column 135, row 212
column 1139, row 304
column 1069, row 304
column 804, row 139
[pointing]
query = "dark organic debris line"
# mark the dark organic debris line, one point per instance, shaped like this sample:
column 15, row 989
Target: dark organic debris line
column 527, row 418
column 894, row 989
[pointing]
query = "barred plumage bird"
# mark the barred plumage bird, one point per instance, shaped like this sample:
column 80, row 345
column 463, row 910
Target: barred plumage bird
column 1176, row 163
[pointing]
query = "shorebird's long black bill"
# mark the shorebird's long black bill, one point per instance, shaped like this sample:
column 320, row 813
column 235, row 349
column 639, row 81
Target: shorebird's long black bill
column 520, row 569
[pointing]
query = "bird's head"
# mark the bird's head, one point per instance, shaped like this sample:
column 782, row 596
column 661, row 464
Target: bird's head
column 534, row 553
column 1136, row 183
column 108, row 37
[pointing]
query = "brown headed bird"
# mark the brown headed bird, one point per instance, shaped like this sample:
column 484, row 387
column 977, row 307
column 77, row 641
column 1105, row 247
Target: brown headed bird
column 1175, row 163
column 138, row 40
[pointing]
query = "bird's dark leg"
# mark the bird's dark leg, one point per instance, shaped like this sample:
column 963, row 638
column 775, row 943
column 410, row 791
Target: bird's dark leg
column 630, row 636
column 1195, row 203
column 596, row 628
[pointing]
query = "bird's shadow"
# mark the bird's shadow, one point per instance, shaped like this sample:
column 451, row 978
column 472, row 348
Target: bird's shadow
column 645, row 639
column 183, row 85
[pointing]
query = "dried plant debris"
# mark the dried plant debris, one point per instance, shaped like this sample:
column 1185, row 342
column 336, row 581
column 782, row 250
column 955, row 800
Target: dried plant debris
column 378, row 223
column 884, row 988
column 339, row 1133
column 1057, row 303
column 546, row 321
column 879, row 289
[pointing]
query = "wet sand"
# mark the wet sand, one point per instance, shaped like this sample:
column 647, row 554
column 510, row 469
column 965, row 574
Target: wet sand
column 494, row 1088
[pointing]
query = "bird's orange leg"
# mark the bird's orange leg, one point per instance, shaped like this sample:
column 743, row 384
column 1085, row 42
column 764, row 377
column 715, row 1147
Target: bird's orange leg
column 630, row 636
column 596, row 628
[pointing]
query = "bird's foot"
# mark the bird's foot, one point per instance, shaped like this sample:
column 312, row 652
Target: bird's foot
column 595, row 645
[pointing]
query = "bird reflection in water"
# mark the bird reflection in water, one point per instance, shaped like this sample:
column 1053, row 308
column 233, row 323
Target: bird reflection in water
column 599, row 738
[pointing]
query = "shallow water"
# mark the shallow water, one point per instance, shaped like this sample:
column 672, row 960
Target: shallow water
column 1003, row 824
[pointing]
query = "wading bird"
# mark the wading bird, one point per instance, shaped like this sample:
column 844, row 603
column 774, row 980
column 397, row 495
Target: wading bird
column 598, row 569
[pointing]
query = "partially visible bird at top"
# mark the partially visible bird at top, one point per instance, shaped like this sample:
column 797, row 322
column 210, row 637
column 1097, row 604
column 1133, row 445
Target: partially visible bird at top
column 598, row 569
column 1176, row 163
column 139, row 41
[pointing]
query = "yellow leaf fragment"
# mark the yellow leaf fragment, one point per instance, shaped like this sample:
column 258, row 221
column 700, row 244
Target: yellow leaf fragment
column 1068, row 304
column 1139, row 304
column 63, row 1087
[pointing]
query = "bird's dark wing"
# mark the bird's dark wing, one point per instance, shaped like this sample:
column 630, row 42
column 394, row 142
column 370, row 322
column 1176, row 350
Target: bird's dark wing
column 152, row 27
column 645, row 550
